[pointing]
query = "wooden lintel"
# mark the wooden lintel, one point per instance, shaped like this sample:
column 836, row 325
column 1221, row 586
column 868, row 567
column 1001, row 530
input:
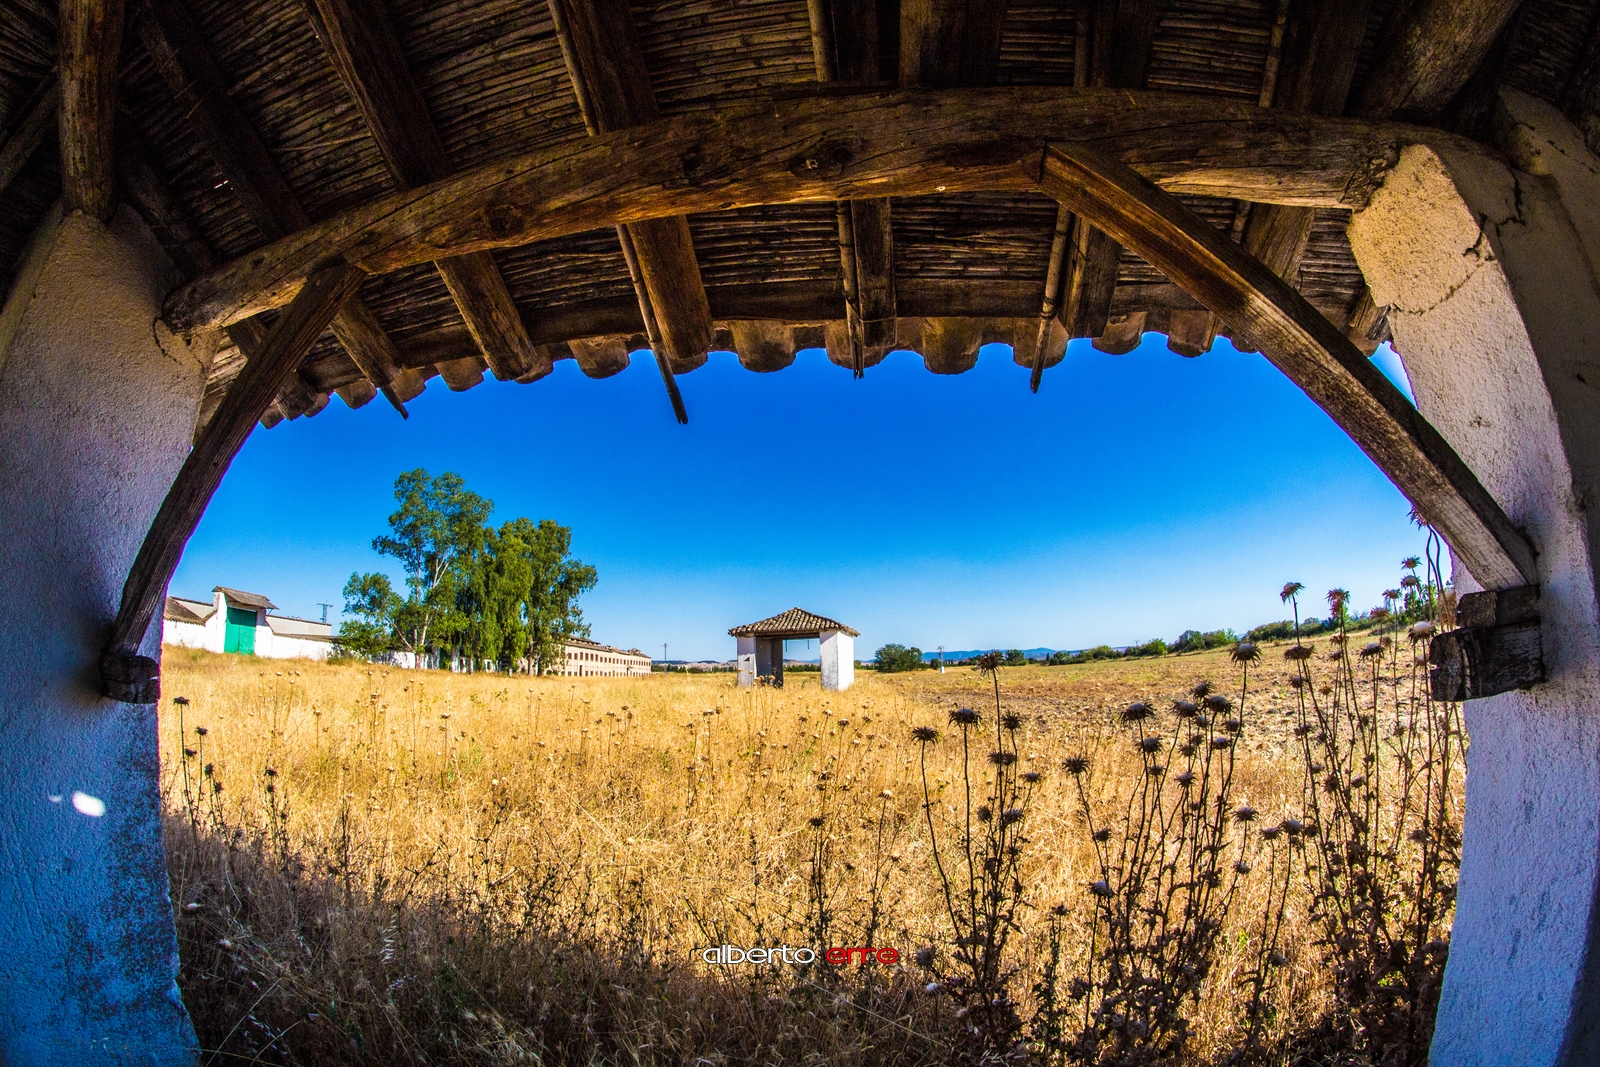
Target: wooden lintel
column 364, row 48
column 605, row 61
column 1303, row 344
column 180, row 55
column 1498, row 647
column 23, row 138
column 1430, row 52
column 828, row 148
column 91, row 49
column 126, row 675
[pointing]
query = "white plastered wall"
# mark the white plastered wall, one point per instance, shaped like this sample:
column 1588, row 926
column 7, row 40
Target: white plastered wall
column 747, row 661
column 97, row 409
column 838, row 659
column 1495, row 307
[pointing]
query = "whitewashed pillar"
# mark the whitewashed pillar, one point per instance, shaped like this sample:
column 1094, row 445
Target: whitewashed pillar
column 1490, row 275
column 747, row 661
column 97, row 408
column 838, row 660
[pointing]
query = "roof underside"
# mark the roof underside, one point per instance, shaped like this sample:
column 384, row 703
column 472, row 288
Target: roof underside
column 495, row 83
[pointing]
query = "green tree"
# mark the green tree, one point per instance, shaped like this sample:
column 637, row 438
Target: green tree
column 1015, row 658
column 520, row 599
column 370, row 604
column 437, row 530
column 892, row 657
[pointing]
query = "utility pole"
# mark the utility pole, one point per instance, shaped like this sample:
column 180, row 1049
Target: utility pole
column 941, row 659
column 324, row 608
column 665, row 666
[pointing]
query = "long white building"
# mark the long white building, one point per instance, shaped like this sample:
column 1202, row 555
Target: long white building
column 585, row 657
column 240, row 622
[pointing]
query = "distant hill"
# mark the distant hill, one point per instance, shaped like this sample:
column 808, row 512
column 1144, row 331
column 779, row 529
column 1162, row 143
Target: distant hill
column 952, row 656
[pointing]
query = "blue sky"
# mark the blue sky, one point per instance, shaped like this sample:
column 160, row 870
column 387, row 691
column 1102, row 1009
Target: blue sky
column 1135, row 496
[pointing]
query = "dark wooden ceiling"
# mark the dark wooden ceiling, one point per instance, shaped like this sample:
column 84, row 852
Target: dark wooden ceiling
column 494, row 82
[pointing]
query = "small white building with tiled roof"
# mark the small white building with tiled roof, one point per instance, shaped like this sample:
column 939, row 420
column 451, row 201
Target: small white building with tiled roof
column 761, row 647
column 591, row 658
column 240, row 622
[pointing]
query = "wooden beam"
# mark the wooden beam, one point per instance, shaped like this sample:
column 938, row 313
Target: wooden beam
column 127, row 675
column 947, row 44
column 1430, row 52
column 180, row 56
column 91, row 49
column 1124, row 31
column 1303, row 344
column 1498, row 647
column 837, row 147
column 362, row 43
column 147, row 190
column 22, row 140
column 1319, row 63
column 606, row 63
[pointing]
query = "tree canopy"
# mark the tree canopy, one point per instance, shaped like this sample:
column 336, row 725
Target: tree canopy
column 505, row 595
column 893, row 657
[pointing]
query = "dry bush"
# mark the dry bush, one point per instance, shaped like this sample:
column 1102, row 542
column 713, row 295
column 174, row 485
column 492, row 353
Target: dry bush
column 372, row 865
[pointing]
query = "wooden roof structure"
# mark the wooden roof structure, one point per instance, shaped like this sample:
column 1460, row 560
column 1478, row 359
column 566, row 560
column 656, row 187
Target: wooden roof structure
column 364, row 194
column 796, row 622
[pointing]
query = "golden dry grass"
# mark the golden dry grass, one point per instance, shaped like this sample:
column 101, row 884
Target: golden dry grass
column 419, row 866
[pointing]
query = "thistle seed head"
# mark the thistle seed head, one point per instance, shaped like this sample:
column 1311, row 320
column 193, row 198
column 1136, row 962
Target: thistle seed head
column 927, row 735
column 1075, row 764
column 1185, row 709
column 965, row 717
column 1138, row 711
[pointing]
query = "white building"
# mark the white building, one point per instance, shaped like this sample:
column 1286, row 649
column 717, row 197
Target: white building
column 760, row 647
column 236, row 621
column 585, row 657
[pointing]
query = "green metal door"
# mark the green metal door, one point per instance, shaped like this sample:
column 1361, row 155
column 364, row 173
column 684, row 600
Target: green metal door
column 240, row 635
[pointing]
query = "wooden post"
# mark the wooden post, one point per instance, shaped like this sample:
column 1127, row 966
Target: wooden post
column 91, row 47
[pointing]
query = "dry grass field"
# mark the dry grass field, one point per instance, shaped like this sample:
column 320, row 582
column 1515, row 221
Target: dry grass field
column 374, row 865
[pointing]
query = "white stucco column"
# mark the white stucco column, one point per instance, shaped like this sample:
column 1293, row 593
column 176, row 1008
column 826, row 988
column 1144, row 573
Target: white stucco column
column 747, row 661
column 97, row 409
column 1490, row 275
column 838, row 659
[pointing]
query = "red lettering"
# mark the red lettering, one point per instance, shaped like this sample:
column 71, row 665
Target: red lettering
column 888, row 956
column 863, row 951
column 837, row 956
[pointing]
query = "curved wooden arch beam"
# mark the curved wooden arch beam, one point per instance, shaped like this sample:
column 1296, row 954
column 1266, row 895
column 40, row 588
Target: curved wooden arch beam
column 1309, row 349
column 858, row 146
column 126, row 675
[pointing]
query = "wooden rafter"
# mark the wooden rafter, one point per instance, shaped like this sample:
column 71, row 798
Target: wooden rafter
column 181, row 57
column 91, row 48
column 1303, row 344
column 22, row 140
column 1319, row 63
column 127, row 675
column 365, row 49
column 606, row 63
column 1123, row 33
column 1432, row 49
column 819, row 150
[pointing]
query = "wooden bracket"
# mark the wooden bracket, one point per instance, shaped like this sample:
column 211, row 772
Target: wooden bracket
column 1497, row 648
